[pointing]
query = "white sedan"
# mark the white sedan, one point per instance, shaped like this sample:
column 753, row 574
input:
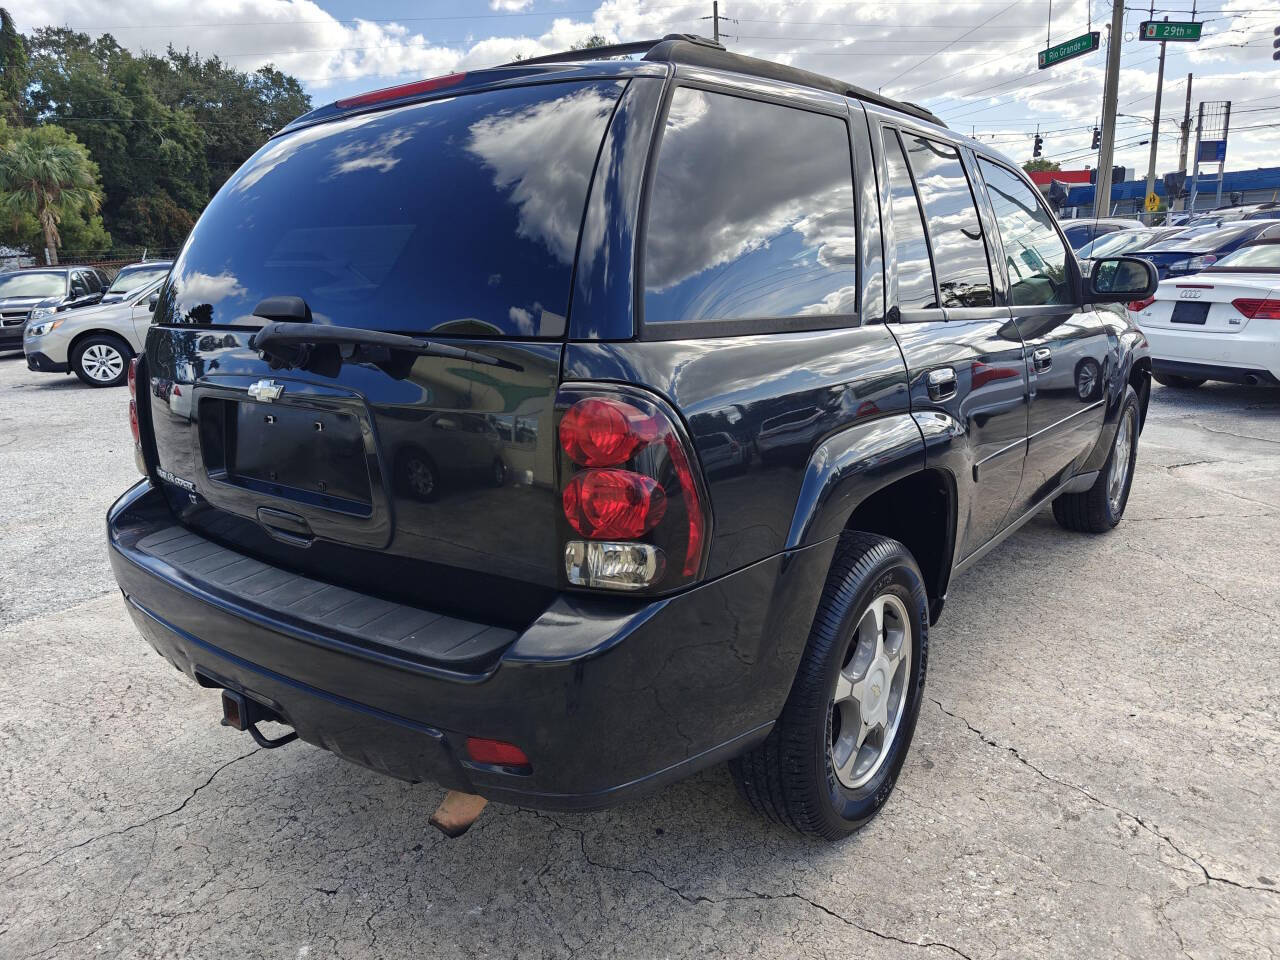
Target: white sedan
column 1220, row 324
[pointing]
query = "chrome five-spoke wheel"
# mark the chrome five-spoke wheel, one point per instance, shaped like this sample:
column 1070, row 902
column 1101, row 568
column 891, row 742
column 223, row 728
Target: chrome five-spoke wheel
column 870, row 691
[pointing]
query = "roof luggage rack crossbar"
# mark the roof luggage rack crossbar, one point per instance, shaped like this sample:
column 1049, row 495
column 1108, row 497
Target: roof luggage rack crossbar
column 699, row 51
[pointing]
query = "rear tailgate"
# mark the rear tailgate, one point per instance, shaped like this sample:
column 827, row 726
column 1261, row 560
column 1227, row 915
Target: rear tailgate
column 454, row 220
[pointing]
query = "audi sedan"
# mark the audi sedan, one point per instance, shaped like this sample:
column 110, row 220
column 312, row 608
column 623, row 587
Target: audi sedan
column 1222, row 323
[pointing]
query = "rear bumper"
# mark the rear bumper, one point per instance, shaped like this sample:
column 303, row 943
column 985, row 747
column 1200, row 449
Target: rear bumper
column 1232, row 357
column 43, row 364
column 608, row 698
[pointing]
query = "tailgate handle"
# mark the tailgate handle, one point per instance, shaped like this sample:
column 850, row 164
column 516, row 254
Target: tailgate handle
column 286, row 527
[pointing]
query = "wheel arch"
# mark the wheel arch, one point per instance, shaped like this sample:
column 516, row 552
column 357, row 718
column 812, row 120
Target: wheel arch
column 83, row 335
column 873, row 478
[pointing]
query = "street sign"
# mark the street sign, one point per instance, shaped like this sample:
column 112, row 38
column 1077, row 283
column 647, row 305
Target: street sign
column 1077, row 46
column 1186, row 31
column 1153, row 202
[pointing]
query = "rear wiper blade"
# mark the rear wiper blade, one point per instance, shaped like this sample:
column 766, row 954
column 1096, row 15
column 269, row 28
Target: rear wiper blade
column 288, row 344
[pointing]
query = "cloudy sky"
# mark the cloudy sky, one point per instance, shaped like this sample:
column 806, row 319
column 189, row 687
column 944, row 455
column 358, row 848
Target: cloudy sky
column 973, row 63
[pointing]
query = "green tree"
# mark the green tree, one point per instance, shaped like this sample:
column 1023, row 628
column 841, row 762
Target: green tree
column 593, row 41
column 1039, row 165
column 13, row 67
column 46, row 174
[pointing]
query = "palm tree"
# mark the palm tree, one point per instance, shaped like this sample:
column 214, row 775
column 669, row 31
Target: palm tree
column 45, row 172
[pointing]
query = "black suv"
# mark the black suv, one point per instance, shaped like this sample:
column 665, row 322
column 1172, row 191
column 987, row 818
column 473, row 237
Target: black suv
column 554, row 431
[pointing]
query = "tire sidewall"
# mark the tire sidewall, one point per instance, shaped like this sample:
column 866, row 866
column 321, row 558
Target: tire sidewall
column 77, row 360
column 1130, row 402
column 843, row 809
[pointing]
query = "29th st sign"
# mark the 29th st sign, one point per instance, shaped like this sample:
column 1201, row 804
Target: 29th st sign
column 1186, row 32
column 1075, row 47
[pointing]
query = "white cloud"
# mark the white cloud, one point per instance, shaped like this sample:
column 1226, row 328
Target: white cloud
column 986, row 83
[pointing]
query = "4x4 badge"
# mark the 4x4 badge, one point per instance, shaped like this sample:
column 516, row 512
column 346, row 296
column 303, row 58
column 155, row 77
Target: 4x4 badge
column 266, row 390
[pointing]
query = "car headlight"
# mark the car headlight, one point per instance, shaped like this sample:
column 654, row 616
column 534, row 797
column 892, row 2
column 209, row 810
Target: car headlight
column 42, row 313
column 40, row 329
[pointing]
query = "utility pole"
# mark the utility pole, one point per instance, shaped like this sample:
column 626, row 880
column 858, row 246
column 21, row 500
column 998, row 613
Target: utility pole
column 715, row 21
column 1186, row 138
column 1155, row 127
column 1110, row 94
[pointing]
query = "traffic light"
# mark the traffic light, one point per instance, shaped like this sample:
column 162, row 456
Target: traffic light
column 1097, row 138
column 1038, row 148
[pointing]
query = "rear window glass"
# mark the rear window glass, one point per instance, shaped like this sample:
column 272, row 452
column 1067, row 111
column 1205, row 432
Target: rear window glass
column 1210, row 240
column 751, row 213
column 456, row 216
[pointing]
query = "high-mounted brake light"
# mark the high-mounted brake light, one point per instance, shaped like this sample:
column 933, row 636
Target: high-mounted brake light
column 401, row 91
column 631, row 490
column 1267, row 308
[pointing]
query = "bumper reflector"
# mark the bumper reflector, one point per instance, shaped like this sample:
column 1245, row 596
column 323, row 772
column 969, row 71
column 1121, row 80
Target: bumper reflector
column 496, row 752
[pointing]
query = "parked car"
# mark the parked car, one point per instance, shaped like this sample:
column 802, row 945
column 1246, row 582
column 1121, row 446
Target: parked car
column 1190, row 253
column 663, row 249
column 48, row 290
column 1265, row 211
column 133, row 276
column 1125, row 241
column 1085, row 230
column 1218, row 324
column 97, row 343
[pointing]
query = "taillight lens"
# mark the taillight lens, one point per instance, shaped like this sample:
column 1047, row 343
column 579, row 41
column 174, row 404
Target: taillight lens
column 1139, row 305
column 631, row 490
column 133, row 422
column 1259, row 309
column 133, row 376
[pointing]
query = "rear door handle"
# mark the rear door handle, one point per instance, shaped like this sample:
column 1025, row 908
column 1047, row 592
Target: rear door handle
column 1042, row 359
column 942, row 383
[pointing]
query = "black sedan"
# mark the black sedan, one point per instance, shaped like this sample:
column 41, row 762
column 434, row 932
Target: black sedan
column 1183, row 255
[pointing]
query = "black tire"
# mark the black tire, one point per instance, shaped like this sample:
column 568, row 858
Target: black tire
column 1177, row 382
column 94, row 360
column 498, row 472
column 417, row 475
column 1096, row 510
column 791, row 778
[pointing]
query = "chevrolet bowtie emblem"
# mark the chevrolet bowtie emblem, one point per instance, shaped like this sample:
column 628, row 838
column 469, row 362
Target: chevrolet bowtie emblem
column 266, row 390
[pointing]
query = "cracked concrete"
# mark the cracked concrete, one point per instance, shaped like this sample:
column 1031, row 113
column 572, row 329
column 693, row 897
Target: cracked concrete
column 1094, row 773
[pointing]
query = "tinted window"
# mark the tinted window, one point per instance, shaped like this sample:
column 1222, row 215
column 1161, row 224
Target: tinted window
column 751, row 213
column 457, row 216
column 915, row 273
column 1033, row 252
column 1264, row 256
column 1212, row 239
column 955, row 233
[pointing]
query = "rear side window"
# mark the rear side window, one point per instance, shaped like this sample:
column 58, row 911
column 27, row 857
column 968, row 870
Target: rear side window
column 457, row 216
column 1033, row 251
column 750, row 213
column 955, row 233
column 915, row 272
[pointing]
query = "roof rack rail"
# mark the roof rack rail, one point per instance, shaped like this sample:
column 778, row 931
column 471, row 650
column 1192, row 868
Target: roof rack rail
column 699, row 51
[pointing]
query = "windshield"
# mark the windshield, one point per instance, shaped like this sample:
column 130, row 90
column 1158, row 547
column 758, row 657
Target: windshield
column 457, row 216
column 1208, row 241
column 1262, row 256
column 33, row 284
column 131, row 278
column 1114, row 243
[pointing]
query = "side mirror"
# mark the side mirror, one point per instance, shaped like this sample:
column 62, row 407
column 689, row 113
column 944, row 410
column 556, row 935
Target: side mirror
column 153, row 300
column 1120, row 279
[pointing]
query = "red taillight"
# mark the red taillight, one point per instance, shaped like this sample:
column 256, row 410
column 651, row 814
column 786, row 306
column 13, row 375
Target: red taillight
column 613, row 504
column 1139, row 305
column 133, row 376
column 133, row 422
column 403, row 90
column 496, row 752
column 1258, row 309
column 604, row 431
column 631, row 489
